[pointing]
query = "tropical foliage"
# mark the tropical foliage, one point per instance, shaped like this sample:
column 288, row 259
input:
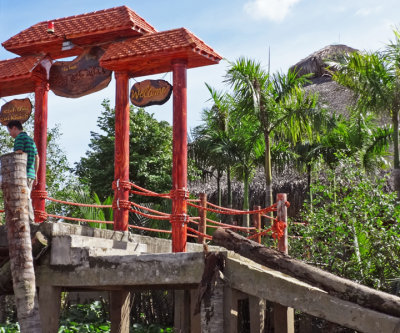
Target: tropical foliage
column 283, row 109
column 375, row 79
column 352, row 226
column 150, row 153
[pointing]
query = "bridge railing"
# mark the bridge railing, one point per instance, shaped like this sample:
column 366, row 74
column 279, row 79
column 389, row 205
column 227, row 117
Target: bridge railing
column 199, row 226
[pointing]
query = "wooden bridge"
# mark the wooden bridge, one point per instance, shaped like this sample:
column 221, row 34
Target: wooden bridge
column 77, row 258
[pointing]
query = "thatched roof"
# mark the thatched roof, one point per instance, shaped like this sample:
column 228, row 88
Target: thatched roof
column 332, row 96
column 317, row 62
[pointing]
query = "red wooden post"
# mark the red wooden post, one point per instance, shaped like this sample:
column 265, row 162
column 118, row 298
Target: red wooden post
column 40, row 137
column 257, row 223
column 282, row 216
column 121, row 157
column 283, row 316
column 203, row 217
column 179, row 192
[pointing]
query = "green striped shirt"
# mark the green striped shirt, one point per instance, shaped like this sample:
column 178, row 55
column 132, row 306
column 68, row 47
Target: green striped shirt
column 25, row 143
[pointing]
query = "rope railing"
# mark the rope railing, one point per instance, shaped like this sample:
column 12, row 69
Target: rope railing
column 202, row 222
column 199, row 233
column 231, row 226
column 148, row 209
column 79, row 219
column 153, row 217
column 149, row 229
column 77, row 203
column 228, row 211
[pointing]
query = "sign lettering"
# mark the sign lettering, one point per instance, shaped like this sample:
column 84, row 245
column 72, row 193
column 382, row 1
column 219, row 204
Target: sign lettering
column 17, row 109
column 81, row 76
column 150, row 92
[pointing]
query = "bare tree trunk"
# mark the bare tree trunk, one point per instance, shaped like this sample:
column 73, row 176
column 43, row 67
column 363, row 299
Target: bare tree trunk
column 334, row 285
column 268, row 172
column 15, row 193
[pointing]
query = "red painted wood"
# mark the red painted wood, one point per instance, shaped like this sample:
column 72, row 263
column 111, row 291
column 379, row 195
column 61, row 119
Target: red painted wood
column 281, row 199
column 121, row 156
column 257, row 223
column 179, row 158
column 203, row 217
column 40, row 138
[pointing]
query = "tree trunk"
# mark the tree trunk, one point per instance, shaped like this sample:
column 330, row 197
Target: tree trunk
column 246, row 218
column 334, row 285
column 219, row 192
column 396, row 162
column 309, row 179
column 230, row 199
column 268, row 172
column 229, row 185
column 15, row 193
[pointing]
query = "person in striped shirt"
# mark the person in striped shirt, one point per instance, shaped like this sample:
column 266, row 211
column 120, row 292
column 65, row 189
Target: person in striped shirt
column 24, row 144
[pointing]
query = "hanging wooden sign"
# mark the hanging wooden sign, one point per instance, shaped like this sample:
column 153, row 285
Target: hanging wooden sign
column 150, row 92
column 81, row 76
column 17, row 109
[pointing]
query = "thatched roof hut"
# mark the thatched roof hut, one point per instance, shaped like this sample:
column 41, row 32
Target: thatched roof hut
column 317, row 62
column 331, row 95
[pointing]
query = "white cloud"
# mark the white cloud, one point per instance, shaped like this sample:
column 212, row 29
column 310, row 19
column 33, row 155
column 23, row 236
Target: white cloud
column 274, row 10
column 368, row 11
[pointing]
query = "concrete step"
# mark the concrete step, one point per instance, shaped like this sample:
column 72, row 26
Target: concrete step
column 76, row 250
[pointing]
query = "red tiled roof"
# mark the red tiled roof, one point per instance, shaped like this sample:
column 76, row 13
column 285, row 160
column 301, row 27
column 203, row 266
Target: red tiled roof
column 162, row 47
column 16, row 75
column 17, row 67
column 99, row 26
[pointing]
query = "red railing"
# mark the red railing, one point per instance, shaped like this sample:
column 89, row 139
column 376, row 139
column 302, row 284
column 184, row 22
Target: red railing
column 202, row 224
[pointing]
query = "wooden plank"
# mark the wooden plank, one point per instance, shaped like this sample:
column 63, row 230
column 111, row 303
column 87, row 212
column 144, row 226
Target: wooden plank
column 334, row 285
column 256, row 280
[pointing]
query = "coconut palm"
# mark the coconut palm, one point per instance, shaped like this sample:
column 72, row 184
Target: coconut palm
column 282, row 108
column 211, row 146
column 228, row 141
column 374, row 78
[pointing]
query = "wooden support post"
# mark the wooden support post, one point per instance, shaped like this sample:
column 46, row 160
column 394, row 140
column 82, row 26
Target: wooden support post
column 257, row 223
column 120, row 311
column 50, row 306
column 182, row 311
column 179, row 193
column 212, row 308
column 121, row 157
column 283, row 316
column 39, row 193
column 203, row 217
column 231, row 297
column 282, row 216
column 15, row 194
column 257, row 314
column 195, row 326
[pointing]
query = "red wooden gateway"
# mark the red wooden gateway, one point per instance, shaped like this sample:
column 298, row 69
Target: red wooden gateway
column 130, row 47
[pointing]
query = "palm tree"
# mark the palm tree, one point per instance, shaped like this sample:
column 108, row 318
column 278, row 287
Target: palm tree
column 211, row 146
column 228, row 141
column 374, row 78
column 282, row 108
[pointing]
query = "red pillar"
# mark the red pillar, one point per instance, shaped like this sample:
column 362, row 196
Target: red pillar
column 179, row 191
column 121, row 157
column 40, row 137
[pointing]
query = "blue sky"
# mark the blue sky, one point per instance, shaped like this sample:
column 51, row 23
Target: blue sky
column 292, row 29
